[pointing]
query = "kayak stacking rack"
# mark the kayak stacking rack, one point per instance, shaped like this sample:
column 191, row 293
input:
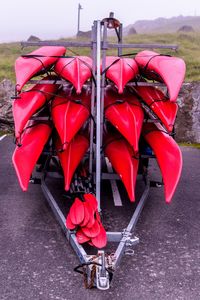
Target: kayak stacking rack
column 97, row 268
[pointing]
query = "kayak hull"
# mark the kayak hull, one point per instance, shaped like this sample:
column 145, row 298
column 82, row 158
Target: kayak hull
column 120, row 71
column 72, row 156
column 164, row 109
column 125, row 113
column 167, row 69
column 26, row 156
column 27, row 67
column 121, row 156
column 168, row 155
column 77, row 70
column 69, row 112
column 29, row 103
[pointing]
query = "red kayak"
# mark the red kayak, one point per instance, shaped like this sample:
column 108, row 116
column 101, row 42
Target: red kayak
column 69, row 112
column 120, row 71
column 76, row 69
column 29, row 103
column 26, row 156
column 121, row 156
column 28, row 66
column 168, row 155
column 164, row 109
column 72, row 156
column 125, row 113
column 167, row 69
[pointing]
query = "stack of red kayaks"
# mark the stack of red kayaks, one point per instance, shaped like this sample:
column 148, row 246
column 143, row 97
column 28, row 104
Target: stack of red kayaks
column 125, row 107
column 127, row 111
column 66, row 109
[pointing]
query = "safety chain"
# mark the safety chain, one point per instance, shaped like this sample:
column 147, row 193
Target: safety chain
column 89, row 285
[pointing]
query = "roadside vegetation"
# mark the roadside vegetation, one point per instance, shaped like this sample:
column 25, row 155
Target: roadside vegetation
column 193, row 145
column 189, row 50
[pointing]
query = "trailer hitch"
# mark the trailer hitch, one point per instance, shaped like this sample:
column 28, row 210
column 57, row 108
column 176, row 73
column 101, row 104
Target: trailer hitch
column 102, row 275
column 96, row 272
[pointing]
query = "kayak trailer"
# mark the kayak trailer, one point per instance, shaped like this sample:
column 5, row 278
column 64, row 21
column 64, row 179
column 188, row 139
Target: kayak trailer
column 98, row 268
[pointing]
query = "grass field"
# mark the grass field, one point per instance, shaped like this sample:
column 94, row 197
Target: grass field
column 197, row 145
column 189, row 50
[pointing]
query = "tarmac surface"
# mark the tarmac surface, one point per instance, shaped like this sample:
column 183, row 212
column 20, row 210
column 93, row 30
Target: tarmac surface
column 36, row 261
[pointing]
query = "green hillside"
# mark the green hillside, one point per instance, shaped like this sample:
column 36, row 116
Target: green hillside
column 189, row 50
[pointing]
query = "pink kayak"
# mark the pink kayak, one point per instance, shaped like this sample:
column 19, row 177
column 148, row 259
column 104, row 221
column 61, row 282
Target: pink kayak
column 29, row 103
column 72, row 156
column 28, row 66
column 120, row 71
column 121, row 156
column 69, row 112
column 167, row 69
column 77, row 70
column 164, row 109
column 168, row 155
column 26, row 156
column 124, row 111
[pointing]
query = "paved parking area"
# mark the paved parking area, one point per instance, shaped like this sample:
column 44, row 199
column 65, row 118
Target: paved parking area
column 37, row 263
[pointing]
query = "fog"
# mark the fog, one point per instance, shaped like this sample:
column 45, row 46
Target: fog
column 54, row 19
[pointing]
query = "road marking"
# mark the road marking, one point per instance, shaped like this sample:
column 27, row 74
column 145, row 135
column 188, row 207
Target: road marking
column 115, row 191
column 2, row 137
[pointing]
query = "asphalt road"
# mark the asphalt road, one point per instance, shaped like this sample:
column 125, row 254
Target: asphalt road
column 37, row 263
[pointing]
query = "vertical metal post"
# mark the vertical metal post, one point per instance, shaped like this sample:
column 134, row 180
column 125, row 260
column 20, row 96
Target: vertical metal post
column 79, row 9
column 104, row 45
column 120, row 39
column 93, row 52
column 98, row 117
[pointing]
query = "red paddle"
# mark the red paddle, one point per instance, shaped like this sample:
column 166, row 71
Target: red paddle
column 92, row 200
column 77, row 212
column 81, row 237
column 93, row 231
column 100, row 240
column 91, row 222
column 88, row 215
column 69, row 223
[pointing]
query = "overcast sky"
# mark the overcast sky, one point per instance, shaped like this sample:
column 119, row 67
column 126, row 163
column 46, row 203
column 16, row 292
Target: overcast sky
column 58, row 18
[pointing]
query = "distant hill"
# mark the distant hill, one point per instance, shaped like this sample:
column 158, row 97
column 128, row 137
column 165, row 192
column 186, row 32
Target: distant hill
column 164, row 25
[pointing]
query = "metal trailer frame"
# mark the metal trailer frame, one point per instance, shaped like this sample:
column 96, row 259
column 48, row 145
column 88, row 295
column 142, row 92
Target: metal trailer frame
column 104, row 264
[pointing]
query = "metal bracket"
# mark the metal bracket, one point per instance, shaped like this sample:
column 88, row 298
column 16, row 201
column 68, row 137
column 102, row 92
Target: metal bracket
column 156, row 184
column 132, row 241
column 128, row 239
column 35, row 180
column 129, row 252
